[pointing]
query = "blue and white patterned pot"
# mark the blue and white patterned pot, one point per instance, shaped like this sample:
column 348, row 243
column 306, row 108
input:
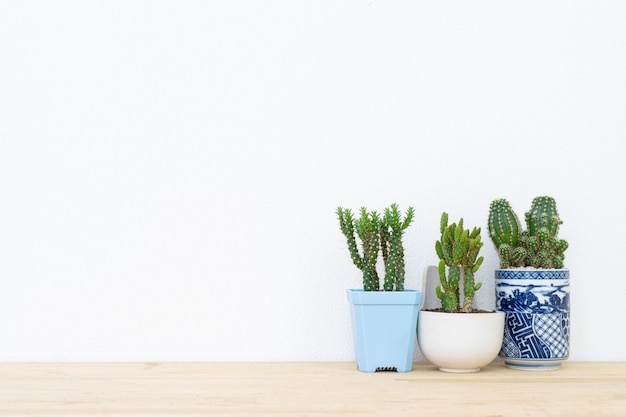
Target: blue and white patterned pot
column 536, row 327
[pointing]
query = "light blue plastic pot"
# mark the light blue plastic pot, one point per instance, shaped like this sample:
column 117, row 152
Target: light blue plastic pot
column 384, row 327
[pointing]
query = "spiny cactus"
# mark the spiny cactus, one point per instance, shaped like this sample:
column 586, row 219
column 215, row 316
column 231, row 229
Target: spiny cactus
column 543, row 214
column 544, row 249
column 538, row 246
column 392, row 228
column 377, row 233
column 504, row 229
column 458, row 250
column 367, row 228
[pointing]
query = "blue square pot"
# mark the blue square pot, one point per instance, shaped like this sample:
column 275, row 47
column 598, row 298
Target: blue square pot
column 384, row 326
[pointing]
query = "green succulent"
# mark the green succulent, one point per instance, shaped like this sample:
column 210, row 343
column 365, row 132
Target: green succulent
column 458, row 250
column 538, row 246
column 377, row 233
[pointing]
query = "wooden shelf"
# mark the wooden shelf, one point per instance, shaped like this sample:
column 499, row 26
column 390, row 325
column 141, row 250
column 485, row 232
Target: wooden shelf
column 306, row 389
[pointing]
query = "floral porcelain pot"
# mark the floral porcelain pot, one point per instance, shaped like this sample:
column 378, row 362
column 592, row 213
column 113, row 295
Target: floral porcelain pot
column 537, row 306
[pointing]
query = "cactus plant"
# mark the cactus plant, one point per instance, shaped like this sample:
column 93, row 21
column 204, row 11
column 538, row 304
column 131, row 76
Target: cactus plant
column 376, row 234
column 367, row 228
column 458, row 250
column 538, row 246
column 504, row 229
column 543, row 214
column 392, row 228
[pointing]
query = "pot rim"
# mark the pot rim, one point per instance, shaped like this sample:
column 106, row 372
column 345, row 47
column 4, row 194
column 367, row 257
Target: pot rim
column 529, row 268
column 456, row 314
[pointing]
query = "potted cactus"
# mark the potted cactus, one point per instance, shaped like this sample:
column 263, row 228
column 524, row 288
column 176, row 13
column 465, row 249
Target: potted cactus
column 457, row 337
column 383, row 320
column 532, row 285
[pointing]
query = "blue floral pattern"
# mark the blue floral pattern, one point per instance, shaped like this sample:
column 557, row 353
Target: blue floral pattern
column 532, row 273
column 537, row 304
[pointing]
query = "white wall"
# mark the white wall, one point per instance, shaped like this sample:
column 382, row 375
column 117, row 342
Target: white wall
column 169, row 171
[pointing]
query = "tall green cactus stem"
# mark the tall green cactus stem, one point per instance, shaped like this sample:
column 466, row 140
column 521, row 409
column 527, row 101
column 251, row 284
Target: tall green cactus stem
column 504, row 228
column 458, row 250
column 392, row 227
column 367, row 228
column 448, row 292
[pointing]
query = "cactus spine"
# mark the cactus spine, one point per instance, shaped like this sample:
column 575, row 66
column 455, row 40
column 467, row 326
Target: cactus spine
column 392, row 228
column 538, row 246
column 458, row 250
column 367, row 229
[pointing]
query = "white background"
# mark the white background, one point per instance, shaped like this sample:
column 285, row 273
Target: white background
column 169, row 171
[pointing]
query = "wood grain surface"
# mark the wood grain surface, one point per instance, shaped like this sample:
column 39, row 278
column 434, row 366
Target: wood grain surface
column 306, row 389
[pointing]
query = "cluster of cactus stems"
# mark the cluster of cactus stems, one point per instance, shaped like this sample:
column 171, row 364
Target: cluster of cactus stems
column 458, row 250
column 367, row 228
column 377, row 234
column 538, row 246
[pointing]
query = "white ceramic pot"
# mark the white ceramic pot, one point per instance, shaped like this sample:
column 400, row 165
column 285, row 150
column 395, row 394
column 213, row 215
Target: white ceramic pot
column 456, row 342
column 460, row 342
